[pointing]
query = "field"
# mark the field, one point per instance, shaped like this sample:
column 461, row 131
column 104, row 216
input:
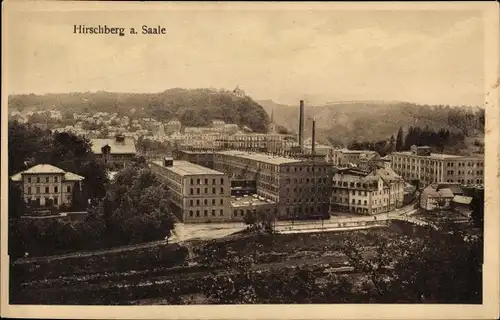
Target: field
column 151, row 275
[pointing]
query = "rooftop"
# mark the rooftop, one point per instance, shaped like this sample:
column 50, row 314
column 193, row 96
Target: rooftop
column 354, row 151
column 125, row 147
column 249, row 200
column 186, row 168
column 47, row 169
column 462, row 199
column 261, row 157
column 434, row 155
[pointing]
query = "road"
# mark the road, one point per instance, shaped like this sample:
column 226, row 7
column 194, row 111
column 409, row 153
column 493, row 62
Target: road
column 185, row 232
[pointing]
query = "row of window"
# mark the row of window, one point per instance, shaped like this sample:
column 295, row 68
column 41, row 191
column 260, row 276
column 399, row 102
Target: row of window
column 304, row 200
column 47, row 189
column 313, row 189
column 205, row 202
column 205, row 181
column 353, row 184
column 353, row 201
column 205, row 213
column 468, row 181
column 305, row 209
column 191, row 191
column 306, row 180
column 451, row 172
column 47, row 200
column 47, row 179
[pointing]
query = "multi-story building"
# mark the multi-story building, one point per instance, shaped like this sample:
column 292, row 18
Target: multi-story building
column 197, row 194
column 204, row 158
column 343, row 158
column 420, row 164
column 173, row 126
column 254, row 141
column 218, row 125
column 366, row 192
column 47, row 185
column 299, row 188
column 116, row 153
column 250, row 205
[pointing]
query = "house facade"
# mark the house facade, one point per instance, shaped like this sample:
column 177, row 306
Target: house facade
column 45, row 185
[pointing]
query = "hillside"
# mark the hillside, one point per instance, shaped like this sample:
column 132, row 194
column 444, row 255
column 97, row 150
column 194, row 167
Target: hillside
column 342, row 122
column 195, row 107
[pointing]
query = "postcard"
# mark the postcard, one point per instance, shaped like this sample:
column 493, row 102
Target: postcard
column 268, row 160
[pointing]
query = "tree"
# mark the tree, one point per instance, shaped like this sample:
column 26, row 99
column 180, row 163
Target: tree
column 432, row 266
column 392, row 145
column 477, row 206
column 399, row 140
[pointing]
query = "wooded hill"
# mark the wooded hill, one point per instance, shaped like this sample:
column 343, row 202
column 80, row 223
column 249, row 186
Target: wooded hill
column 195, row 107
column 343, row 122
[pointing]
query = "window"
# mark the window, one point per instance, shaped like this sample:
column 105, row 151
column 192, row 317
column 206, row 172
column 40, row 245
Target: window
column 213, row 213
column 37, row 189
column 221, row 181
column 47, row 190
column 205, row 202
column 192, row 182
column 213, row 202
column 29, row 179
column 191, row 191
column 221, row 190
column 197, row 181
column 29, row 190
column 56, row 201
column 205, row 213
column 213, row 181
column 206, row 190
column 365, row 202
column 206, row 181
column 55, row 189
column 190, row 202
column 221, row 212
column 197, row 190
column 191, row 213
column 221, row 202
column 213, row 190
column 68, row 188
column 38, row 180
column 198, row 202
column 197, row 213
column 46, row 179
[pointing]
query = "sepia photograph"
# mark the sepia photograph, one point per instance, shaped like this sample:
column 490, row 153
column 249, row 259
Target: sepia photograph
column 190, row 154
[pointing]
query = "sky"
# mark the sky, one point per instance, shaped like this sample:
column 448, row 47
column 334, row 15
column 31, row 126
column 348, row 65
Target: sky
column 434, row 57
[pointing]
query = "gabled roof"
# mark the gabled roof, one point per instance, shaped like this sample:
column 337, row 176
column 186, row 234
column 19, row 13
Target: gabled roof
column 47, row 169
column 446, row 193
column 43, row 168
column 70, row 176
column 125, row 147
column 462, row 200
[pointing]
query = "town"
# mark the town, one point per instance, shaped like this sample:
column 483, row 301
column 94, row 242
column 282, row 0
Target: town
column 174, row 185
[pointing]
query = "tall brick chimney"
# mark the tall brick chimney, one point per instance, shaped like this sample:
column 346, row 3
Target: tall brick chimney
column 313, row 146
column 301, row 125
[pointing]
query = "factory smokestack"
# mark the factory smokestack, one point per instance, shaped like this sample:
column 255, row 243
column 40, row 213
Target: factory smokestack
column 301, row 125
column 313, row 146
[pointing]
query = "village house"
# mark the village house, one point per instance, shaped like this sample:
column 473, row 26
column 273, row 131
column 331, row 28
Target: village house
column 116, row 153
column 47, row 185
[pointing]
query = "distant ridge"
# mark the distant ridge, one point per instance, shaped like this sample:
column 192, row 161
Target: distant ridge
column 370, row 120
column 193, row 107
